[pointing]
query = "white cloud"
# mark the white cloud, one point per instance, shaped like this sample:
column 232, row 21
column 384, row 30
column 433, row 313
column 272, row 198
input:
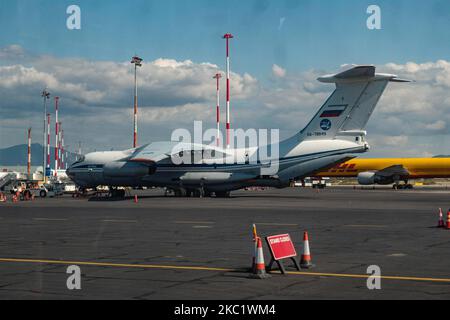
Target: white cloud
column 438, row 125
column 278, row 72
column 97, row 97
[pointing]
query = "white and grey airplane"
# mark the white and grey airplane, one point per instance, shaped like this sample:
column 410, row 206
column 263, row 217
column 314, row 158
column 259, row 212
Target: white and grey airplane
column 334, row 135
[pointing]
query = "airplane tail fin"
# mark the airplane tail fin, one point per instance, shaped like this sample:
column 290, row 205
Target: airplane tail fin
column 348, row 109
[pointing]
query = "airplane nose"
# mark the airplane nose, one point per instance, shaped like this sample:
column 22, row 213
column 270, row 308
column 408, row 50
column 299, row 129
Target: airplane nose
column 69, row 172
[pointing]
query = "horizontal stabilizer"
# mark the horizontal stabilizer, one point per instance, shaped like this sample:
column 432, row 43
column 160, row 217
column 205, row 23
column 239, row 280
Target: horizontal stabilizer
column 360, row 73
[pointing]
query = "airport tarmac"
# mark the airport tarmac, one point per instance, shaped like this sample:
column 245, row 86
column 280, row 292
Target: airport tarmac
column 188, row 248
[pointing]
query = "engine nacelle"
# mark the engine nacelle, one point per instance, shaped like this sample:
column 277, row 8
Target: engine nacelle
column 123, row 169
column 367, row 178
column 370, row 178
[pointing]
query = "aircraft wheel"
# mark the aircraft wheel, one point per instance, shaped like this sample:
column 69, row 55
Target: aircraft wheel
column 180, row 193
column 223, row 194
column 199, row 193
column 208, row 194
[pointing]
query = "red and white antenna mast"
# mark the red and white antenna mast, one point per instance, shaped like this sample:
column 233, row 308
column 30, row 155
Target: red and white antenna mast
column 29, row 153
column 61, row 148
column 227, row 37
column 48, row 142
column 217, row 77
column 56, row 136
column 137, row 63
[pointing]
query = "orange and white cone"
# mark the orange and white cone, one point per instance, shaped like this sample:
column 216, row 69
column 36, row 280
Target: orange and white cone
column 260, row 272
column 441, row 219
column 448, row 220
column 306, row 262
column 255, row 249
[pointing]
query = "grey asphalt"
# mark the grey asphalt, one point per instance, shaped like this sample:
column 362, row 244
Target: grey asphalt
column 349, row 230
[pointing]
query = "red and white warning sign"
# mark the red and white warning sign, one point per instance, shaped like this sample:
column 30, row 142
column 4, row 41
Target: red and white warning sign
column 281, row 247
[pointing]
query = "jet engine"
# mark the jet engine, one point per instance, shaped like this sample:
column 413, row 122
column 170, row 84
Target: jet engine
column 366, row 178
column 122, row 169
column 370, row 178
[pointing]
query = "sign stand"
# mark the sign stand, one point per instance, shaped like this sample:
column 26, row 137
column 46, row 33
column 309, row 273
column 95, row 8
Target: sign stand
column 281, row 248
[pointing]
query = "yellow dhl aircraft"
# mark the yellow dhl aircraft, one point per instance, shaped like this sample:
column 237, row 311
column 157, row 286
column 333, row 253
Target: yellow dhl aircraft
column 388, row 171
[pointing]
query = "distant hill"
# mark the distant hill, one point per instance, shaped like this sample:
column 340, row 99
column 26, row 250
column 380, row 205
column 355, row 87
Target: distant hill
column 442, row 156
column 17, row 155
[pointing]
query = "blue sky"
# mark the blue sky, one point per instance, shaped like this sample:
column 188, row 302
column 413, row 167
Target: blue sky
column 302, row 39
column 315, row 33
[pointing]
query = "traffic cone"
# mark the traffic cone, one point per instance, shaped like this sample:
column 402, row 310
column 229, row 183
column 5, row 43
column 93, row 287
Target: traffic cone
column 306, row 262
column 260, row 272
column 448, row 220
column 136, row 198
column 255, row 248
column 441, row 219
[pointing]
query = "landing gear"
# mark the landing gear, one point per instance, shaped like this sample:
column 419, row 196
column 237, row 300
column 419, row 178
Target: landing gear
column 405, row 186
column 117, row 193
column 180, row 193
column 188, row 192
column 223, row 194
column 199, row 193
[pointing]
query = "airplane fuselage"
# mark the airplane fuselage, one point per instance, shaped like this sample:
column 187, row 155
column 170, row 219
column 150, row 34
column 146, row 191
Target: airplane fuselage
column 112, row 168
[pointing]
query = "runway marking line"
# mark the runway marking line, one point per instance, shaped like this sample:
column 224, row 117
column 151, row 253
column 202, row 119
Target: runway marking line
column 276, row 224
column 194, row 222
column 364, row 226
column 193, row 268
column 121, row 221
column 48, row 219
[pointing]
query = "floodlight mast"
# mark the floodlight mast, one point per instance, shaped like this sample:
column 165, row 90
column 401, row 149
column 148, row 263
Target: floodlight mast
column 217, row 77
column 46, row 95
column 137, row 63
column 227, row 37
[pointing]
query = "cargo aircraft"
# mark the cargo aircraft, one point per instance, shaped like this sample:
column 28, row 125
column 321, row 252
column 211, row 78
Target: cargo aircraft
column 334, row 135
column 390, row 171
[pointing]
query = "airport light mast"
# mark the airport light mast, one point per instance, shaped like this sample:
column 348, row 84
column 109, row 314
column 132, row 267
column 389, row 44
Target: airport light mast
column 48, row 143
column 29, row 154
column 227, row 37
column 137, row 63
column 56, row 136
column 46, row 95
column 217, row 77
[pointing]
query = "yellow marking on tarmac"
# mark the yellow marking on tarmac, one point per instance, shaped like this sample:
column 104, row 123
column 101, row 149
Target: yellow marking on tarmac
column 121, row 221
column 117, row 265
column 48, row 219
column 194, row 222
column 363, row 276
column 364, row 226
column 199, row 268
column 276, row 224
column 202, row 227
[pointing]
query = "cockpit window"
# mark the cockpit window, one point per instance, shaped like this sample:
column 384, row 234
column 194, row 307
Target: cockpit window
column 80, row 160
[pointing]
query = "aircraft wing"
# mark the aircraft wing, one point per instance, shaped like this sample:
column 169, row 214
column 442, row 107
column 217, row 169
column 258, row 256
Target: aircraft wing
column 396, row 170
column 152, row 153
